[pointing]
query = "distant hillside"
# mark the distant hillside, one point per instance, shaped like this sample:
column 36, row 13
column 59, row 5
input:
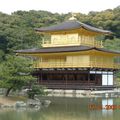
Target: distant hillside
column 17, row 30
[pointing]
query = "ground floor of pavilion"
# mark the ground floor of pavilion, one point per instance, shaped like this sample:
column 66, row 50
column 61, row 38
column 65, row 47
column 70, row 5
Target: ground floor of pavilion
column 75, row 78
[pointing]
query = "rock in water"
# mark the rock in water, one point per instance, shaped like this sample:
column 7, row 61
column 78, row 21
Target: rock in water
column 46, row 103
column 33, row 103
column 20, row 104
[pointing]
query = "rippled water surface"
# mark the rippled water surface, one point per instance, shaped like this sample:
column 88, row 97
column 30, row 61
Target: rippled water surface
column 68, row 109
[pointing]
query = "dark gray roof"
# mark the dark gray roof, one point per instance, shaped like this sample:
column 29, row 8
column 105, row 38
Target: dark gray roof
column 70, row 25
column 64, row 49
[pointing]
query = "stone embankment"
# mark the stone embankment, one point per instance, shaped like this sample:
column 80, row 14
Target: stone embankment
column 83, row 93
column 28, row 104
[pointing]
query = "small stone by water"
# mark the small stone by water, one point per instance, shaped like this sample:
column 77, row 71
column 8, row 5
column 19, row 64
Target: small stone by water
column 27, row 104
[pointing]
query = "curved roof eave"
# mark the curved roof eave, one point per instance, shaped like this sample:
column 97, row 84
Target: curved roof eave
column 70, row 25
column 65, row 49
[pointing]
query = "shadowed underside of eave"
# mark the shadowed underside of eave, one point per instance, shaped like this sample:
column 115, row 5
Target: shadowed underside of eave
column 66, row 49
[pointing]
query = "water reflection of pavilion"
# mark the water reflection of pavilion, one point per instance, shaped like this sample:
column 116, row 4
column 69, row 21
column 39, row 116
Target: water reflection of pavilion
column 67, row 109
column 77, row 109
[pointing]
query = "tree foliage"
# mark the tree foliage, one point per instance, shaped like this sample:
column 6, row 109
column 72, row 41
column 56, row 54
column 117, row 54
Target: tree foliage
column 15, row 73
column 36, row 90
column 17, row 30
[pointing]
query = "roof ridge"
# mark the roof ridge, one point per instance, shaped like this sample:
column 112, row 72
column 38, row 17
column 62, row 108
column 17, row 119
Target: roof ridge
column 70, row 25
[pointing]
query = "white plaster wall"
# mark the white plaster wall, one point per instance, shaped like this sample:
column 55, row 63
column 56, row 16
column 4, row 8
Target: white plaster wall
column 107, row 79
column 104, row 79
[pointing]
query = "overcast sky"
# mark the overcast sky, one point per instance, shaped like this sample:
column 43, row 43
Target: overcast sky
column 60, row 6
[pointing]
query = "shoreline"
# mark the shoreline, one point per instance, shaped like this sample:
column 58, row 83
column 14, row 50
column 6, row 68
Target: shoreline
column 64, row 93
column 83, row 93
column 11, row 99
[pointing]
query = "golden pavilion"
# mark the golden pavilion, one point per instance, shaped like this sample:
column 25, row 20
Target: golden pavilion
column 72, row 58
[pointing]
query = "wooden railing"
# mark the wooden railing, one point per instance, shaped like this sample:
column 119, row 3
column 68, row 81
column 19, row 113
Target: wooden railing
column 93, row 43
column 76, row 65
column 105, row 65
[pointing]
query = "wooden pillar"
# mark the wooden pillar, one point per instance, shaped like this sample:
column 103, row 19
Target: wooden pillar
column 38, row 78
column 66, row 77
column 41, row 77
column 88, row 78
column 38, row 81
column 74, row 76
column 96, row 82
column 48, row 80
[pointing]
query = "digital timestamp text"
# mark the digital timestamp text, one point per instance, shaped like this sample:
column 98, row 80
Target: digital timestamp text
column 105, row 107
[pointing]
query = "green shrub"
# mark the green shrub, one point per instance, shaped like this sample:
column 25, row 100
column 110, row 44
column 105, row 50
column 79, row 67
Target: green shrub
column 36, row 90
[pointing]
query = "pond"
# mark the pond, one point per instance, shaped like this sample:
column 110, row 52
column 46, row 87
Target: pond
column 69, row 109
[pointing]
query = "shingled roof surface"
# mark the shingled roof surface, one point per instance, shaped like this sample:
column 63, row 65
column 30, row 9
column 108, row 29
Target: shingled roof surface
column 64, row 49
column 71, row 25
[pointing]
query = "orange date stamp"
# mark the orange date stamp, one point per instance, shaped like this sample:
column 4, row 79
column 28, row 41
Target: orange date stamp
column 105, row 107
